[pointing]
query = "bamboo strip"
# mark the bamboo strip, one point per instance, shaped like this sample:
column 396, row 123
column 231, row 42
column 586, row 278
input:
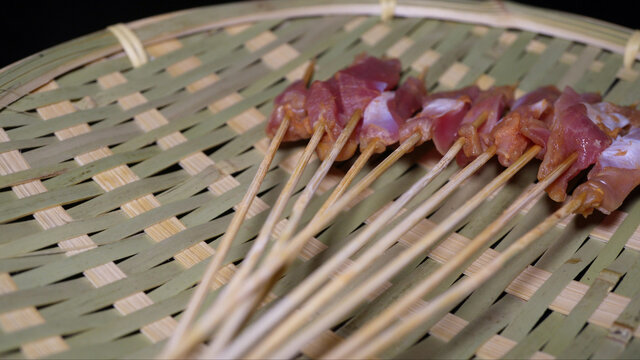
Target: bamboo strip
column 600, row 34
column 24, row 318
column 577, row 318
column 530, row 280
column 110, row 180
column 463, row 288
column 460, row 260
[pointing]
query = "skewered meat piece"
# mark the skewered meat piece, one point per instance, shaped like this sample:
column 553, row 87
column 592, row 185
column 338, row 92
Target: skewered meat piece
column 612, row 118
column 615, row 175
column 381, row 74
column 348, row 90
column 291, row 102
column 440, row 117
column 571, row 131
column 525, row 123
column 385, row 115
column 492, row 104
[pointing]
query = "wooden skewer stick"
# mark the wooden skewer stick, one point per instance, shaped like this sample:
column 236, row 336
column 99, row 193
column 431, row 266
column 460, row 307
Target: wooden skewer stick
column 288, row 254
column 447, row 300
column 347, row 304
column 315, row 304
column 230, row 234
column 349, row 176
column 190, row 339
column 350, row 347
column 205, row 325
column 324, row 272
column 230, row 327
column 308, row 72
column 360, row 162
column 306, row 196
column 196, row 300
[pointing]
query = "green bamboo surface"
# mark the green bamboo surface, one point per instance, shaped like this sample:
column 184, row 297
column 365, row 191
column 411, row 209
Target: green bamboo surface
column 516, row 315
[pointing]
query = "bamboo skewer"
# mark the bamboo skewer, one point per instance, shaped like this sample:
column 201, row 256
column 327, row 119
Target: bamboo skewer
column 463, row 288
column 325, row 271
column 346, row 180
column 366, row 259
column 461, row 260
column 289, row 253
column 306, row 196
column 215, row 314
column 208, row 322
column 308, row 72
column 318, row 277
column 238, row 317
column 196, row 301
column 347, row 304
column 191, row 338
column 225, row 243
column 229, row 328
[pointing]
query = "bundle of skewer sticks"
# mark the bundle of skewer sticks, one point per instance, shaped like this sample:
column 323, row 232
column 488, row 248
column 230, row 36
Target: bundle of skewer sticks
column 292, row 322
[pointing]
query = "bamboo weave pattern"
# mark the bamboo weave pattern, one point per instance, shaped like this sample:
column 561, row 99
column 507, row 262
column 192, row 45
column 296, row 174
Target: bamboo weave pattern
column 117, row 182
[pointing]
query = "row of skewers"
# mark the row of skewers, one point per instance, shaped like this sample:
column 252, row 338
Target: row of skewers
column 365, row 106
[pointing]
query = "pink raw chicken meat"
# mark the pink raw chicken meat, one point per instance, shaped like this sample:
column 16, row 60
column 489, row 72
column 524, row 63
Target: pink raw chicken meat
column 571, row 131
column 291, row 102
column 538, row 131
column 492, row 104
column 615, row 175
column 440, row 117
column 348, row 90
column 529, row 114
column 385, row 115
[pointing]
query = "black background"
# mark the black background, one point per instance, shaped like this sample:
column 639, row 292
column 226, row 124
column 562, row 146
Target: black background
column 28, row 26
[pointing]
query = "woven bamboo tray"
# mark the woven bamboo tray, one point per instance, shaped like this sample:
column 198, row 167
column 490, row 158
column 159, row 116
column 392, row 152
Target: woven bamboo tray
column 120, row 171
